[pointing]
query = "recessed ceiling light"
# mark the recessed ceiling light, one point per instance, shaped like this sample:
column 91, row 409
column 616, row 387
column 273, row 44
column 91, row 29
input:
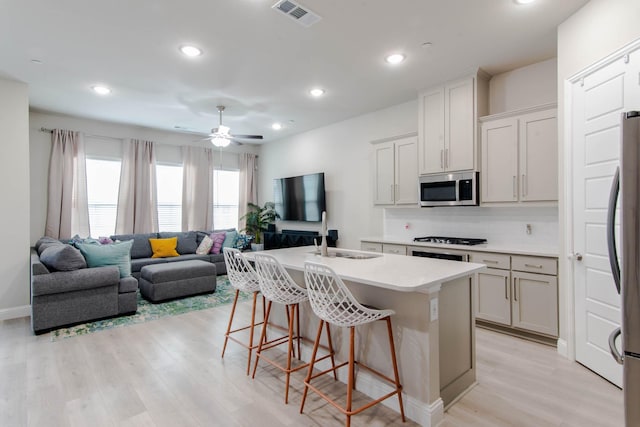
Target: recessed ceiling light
column 276, row 126
column 101, row 90
column 523, row 1
column 190, row 50
column 316, row 92
column 395, row 58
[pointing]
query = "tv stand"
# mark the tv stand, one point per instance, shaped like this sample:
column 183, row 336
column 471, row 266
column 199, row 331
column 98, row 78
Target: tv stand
column 292, row 238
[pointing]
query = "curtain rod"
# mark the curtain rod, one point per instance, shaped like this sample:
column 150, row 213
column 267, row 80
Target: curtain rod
column 46, row 130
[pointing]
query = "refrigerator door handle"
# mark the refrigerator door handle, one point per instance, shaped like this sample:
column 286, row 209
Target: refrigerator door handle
column 612, row 346
column 611, row 228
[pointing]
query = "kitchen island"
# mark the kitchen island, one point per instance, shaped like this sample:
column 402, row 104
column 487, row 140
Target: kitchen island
column 433, row 324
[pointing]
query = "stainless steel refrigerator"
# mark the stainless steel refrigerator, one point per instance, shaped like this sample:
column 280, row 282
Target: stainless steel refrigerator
column 626, row 272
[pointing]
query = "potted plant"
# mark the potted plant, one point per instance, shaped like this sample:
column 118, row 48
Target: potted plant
column 257, row 221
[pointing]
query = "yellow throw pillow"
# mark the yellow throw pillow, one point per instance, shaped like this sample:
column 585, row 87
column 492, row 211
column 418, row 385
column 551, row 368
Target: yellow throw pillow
column 164, row 248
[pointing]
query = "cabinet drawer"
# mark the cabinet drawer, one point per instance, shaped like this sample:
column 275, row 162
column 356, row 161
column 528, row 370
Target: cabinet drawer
column 371, row 246
column 394, row 249
column 534, row 264
column 500, row 261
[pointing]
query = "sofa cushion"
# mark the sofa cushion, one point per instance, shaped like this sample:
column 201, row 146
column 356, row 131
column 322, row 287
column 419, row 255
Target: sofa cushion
column 141, row 247
column 205, row 246
column 117, row 254
column 62, row 257
column 187, row 241
column 200, row 234
column 127, row 284
column 164, row 248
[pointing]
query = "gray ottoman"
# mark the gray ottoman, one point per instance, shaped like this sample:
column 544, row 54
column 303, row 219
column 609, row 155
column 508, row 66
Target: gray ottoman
column 161, row 282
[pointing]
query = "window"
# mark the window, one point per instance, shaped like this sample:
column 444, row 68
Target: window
column 103, row 180
column 169, row 183
column 226, row 194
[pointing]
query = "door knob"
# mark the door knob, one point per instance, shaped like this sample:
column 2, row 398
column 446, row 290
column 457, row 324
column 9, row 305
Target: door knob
column 578, row 256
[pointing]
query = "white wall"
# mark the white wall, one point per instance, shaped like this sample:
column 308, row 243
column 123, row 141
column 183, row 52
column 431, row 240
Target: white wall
column 598, row 29
column 524, row 87
column 342, row 152
column 14, row 191
column 105, row 142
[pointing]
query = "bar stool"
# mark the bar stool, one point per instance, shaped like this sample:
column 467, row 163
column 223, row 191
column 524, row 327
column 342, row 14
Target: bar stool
column 243, row 278
column 277, row 286
column 333, row 303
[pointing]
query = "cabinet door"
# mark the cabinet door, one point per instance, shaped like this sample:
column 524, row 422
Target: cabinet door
column 406, row 171
column 431, row 131
column 383, row 174
column 534, row 303
column 371, row 246
column 539, row 156
column 460, row 126
column 390, row 248
column 499, row 178
column 493, row 296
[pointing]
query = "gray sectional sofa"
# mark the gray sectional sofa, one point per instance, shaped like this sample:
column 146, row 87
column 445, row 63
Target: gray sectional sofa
column 65, row 291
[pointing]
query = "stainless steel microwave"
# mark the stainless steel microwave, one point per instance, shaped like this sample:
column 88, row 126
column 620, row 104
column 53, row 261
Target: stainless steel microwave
column 451, row 189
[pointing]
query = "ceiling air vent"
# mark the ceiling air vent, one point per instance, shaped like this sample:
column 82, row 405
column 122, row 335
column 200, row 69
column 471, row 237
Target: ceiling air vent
column 300, row 14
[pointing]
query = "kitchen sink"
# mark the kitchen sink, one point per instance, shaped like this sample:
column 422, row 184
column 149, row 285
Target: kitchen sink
column 349, row 255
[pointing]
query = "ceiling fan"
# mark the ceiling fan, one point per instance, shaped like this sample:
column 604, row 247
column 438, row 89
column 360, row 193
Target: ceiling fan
column 220, row 136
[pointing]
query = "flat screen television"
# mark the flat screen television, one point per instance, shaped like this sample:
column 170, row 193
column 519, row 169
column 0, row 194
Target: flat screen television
column 300, row 198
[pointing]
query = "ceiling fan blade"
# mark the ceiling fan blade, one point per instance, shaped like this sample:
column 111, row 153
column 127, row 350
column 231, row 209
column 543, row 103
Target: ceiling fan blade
column 247, row 136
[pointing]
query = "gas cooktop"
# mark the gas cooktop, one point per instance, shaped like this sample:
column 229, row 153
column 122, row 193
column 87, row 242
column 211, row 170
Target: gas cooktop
column 450, row 240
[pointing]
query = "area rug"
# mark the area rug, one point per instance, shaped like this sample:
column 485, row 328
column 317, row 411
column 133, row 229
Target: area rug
column 147, row 311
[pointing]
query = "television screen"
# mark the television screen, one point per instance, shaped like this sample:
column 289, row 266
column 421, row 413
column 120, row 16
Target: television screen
column 300, row 198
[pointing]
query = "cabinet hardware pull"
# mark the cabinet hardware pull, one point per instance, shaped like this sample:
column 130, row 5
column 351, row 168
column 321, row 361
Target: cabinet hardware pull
column 441, row 159
column 533, row 265
column 506, row 288
column 524, row 190
column 392, row 198
column 490, row 261
column 446, row 158
column 514, row 186
column 515, row 291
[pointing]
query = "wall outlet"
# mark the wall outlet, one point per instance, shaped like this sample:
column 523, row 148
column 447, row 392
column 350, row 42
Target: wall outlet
column 528, row 228
column 433, row 309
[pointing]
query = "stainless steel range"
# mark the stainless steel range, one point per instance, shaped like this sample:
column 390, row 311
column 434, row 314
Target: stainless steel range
column 450, row 240
column 444, row 253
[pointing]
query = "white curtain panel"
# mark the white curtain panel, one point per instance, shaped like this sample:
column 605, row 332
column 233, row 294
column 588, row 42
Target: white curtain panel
column 197, row 188
column 248, row 185
column 67, row 205
column 137, row 197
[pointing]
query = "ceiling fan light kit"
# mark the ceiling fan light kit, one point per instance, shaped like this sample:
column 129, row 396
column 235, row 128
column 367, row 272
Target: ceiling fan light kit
column 221, row 136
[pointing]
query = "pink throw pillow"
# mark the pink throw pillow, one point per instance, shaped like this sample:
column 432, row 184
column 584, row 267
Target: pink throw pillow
column 218, row 240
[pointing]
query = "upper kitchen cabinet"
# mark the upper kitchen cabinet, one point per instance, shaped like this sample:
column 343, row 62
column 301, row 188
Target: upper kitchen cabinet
column 396, row 171
column 447, row 124
column 520, row 157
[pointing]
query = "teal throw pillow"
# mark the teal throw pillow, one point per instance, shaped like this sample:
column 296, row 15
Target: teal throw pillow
column 118, row 254
column 230, row 239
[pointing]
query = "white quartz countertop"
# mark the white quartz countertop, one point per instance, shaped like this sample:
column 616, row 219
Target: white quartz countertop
column 511, row 248
column 396, row 272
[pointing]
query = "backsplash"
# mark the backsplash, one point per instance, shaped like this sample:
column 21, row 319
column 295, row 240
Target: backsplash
column 499, row 225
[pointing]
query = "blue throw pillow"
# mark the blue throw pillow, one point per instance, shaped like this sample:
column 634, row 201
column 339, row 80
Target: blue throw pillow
column 118, row 254
column 230, row 239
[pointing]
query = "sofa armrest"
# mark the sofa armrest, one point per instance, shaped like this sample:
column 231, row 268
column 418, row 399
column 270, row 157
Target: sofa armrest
column 36, row 266
column 68, row 281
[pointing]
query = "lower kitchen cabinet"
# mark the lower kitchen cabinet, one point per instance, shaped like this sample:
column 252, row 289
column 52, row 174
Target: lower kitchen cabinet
column 519, row 293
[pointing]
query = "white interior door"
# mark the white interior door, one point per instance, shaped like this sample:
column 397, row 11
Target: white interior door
column 597, row 103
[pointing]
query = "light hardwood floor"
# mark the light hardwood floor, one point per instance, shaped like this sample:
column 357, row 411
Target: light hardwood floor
column 169, row 372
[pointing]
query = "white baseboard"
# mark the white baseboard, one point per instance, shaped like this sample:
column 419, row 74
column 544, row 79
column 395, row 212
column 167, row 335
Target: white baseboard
column 369, row 384
column 562, row 348
column 15, row 312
